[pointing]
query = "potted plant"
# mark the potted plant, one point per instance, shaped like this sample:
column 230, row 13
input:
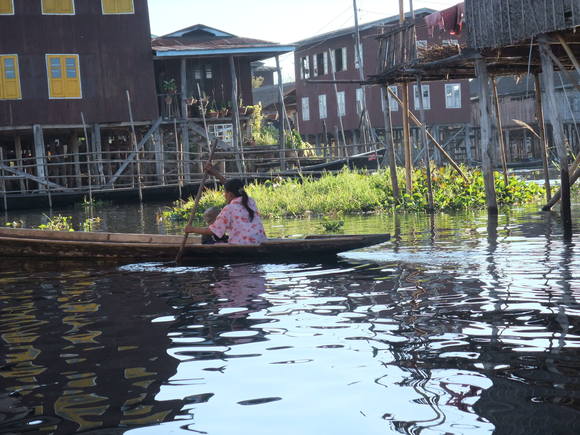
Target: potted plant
column 169, row 87
column 212, row 111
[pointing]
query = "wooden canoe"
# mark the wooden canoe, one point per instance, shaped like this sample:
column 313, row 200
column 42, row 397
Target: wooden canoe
column 26, row 243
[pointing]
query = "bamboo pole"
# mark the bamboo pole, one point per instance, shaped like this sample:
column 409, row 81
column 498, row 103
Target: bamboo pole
column 179, row 256
column 502, row 144
column 430, row 136
column 236, row 112
column 425, row 144
column 390, row 145
column 406, row 127
column 134, row 140
column 543, row 139
column 486, row 151
column 340, row 116
column 88, row 158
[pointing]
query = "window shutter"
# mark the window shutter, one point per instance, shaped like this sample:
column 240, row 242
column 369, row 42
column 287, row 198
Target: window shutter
column 6, row 7
column 11, row 78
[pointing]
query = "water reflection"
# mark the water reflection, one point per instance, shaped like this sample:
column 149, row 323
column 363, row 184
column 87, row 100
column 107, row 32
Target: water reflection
column 460, row 324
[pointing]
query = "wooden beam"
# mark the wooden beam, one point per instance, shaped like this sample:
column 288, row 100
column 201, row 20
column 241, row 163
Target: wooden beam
column 486, row 150
column 569, row 52
column 133, row 154
column 183, row 82
column 31, row 177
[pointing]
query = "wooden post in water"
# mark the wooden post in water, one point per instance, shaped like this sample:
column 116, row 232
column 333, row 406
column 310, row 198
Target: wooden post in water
column 159, row 156
column 19, row 162
column 134, row 140
column 486, row 150
column 544, row 147
column 554, row 117
column 39, row 154
column 425, row 144
column 390, row 153
column 88, row 154
column 281, row 129
column 2, row 178
column 98, row 153
column 502, row 145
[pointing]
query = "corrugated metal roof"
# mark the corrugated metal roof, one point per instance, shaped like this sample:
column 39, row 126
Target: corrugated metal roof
column 189, row 44
column 349, row 30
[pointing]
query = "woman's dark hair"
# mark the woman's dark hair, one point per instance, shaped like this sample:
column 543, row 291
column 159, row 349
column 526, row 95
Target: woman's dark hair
column 236, row 187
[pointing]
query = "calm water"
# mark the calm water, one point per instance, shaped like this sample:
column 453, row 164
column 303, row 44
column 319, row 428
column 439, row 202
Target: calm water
column 458, row 325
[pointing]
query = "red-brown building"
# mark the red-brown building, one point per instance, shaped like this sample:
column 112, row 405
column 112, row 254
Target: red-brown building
column 447, row 104
column 63, row 57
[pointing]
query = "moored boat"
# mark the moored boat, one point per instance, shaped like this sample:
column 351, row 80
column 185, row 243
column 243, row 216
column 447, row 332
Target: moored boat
column 27, row 243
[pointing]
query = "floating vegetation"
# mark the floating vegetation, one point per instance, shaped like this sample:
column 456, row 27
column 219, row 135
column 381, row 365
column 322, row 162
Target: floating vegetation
column 355, row 192
column 64, row 223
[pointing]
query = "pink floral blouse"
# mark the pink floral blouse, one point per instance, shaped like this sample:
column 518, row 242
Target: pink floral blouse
column 234, row 220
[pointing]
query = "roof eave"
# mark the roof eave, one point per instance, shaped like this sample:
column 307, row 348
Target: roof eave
column 277, row 50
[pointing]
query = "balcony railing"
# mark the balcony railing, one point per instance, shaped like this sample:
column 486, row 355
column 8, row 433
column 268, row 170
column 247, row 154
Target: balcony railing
column 397, row 48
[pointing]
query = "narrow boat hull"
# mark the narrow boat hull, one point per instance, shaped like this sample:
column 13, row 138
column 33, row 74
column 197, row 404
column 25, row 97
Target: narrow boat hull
column 16, row 243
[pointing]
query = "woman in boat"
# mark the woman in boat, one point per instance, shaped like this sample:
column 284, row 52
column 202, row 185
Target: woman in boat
column 239, row 219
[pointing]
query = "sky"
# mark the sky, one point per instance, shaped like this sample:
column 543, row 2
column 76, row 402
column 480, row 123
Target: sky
column 280, row 21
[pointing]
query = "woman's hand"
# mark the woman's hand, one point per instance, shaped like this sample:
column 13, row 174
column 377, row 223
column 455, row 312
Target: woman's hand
column 188, row 229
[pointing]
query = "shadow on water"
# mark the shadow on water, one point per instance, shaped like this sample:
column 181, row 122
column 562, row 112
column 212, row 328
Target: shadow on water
column 460, row 324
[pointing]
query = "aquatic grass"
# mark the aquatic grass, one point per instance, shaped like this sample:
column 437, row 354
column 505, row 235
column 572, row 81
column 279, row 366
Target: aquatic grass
column 354, row 192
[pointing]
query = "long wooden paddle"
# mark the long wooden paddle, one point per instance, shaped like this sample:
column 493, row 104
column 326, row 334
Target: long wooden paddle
column 196, row 203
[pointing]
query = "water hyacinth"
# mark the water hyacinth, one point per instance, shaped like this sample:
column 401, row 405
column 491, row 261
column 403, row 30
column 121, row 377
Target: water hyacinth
column 354, row 192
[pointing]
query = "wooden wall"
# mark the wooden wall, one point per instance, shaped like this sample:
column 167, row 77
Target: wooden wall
column 496, row 23
column 438, row 114
column 115, row 55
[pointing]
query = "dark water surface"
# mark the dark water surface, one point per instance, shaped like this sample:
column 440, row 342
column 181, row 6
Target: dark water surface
column 458, row 325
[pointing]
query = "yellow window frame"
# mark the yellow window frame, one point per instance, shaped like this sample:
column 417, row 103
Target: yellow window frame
column 58, row 7
column 64, row 76
column 6, row 7
column 10, row 77
column 118, row 7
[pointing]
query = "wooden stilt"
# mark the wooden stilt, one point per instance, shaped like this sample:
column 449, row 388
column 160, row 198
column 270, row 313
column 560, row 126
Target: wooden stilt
column 185, row 152
column 88, row 154
column 502, row 149
column 136, row 149
column 425, row 145
column 19, row 162
column 157, row 139
column 468, row 144
column 407, row 140
column 179, row 159
column 281, row 129
column 75, row 150
column 97, row 149
column 183, row 83
column 486, row 150
column 554, row 117
column 39, row 154
column 3, row 182
column 390, row 145
column 544, row 147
